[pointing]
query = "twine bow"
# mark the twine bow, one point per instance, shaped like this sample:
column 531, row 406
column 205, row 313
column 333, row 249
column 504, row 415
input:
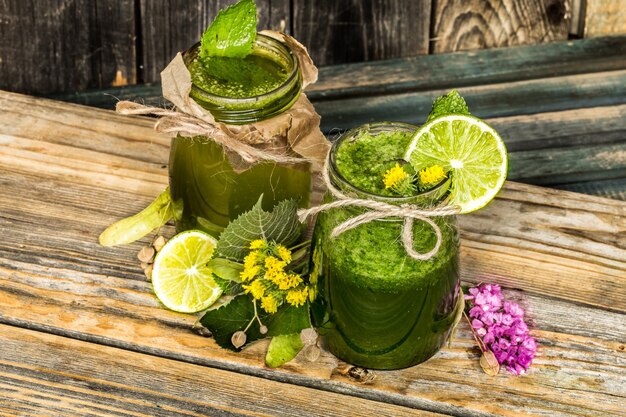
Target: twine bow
column 178, row 122
column 379, row 210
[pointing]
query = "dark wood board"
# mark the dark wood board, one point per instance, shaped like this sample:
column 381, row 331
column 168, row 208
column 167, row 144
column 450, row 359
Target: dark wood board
column 349, row 31
column 50, row 46
column 461, row 25
column 485, row 101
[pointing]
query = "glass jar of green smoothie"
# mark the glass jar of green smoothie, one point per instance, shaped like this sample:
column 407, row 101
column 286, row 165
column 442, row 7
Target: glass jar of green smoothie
column 376, row 306
column 213, row 185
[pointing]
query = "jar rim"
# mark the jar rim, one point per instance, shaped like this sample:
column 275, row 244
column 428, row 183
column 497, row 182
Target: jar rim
column 260, row 41
column 438, row 190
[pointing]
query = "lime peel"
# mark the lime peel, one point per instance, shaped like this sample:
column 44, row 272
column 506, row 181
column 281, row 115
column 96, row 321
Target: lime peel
column 467, row 147
column 181, row 278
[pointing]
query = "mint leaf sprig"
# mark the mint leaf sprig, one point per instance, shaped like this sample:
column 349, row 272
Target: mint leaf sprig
column 451, row 103
column 232, row 33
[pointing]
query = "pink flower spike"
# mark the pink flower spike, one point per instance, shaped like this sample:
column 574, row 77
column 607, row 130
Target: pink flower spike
column 477, row 324
column 530, row 344
column 513, row 309
column 500, row 324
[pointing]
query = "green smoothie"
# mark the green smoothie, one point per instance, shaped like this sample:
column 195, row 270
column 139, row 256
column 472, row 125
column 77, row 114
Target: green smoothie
column 215, row 187
column 378, row 307
column 251, row 76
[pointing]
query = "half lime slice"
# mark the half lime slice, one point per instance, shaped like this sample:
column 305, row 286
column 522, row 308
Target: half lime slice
column 468, row 148
column 180, row 276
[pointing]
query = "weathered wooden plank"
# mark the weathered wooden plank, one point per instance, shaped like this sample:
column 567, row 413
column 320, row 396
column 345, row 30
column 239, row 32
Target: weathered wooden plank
column 605, row 17
column 466, row 25
column 172, row 26
column 61, row 376
column 563, row 129
column 48, row 46
column 615, row 188
column 433, row 72
column 558, row 247
column 349, row 31
column 497, row 100
column 581, row 350
column 570, row 165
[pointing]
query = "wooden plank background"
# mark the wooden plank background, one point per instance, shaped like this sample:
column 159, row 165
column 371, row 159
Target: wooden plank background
column 49, row 46
column 605, row 17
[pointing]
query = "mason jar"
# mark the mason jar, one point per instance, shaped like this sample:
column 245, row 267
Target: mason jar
column 376, row 306
column 214, row 186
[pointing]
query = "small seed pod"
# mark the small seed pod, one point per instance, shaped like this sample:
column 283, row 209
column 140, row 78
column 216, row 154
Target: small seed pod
column 312, row 353
column 148, row 272
column 158, row 243
column 238, row 339
column 489, row 363
column 146, row 254
column 263, row 329
column 308, row 336
column 144, row 265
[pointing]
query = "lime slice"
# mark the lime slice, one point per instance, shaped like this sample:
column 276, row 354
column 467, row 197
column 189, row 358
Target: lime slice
column 468, row 148
column 180, row 276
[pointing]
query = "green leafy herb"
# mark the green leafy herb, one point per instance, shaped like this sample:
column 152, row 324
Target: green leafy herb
column 226, row 269
column 238, row 315
column 288, row 319
column 234, row 316
column 228, row 287
column 281, row 226
column 282, row 349
column 451, row 103
column 133, row 228
column 232, row 33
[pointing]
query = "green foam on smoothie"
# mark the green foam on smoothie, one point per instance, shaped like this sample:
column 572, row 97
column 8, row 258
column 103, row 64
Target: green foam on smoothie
column 364, row 160
column 251, row 76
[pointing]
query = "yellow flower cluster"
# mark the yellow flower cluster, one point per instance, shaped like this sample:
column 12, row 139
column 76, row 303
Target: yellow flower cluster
column 432, row 175
column 297, row 298
column 394, row 176
column 269, row 304
column 264, row 277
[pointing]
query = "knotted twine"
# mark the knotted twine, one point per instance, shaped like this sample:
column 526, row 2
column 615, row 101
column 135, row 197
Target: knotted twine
column 180, row 123
column 379, row 210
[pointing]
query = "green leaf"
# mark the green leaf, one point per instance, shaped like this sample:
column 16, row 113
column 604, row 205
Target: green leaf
column 282, row 349
column 236, row 314
column 451, row 103
column 226, row 269
column 228, row 287
column 289, row 319
column 281, row 225
column 232, row 317
column 133, row 228
column 232, row 33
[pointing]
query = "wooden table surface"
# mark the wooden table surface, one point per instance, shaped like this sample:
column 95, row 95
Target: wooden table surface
column 81, row 332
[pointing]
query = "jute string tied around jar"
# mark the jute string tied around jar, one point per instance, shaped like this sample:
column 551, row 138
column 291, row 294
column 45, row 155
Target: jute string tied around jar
column 380, row 210
column 291, row 137
column 179, row 123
